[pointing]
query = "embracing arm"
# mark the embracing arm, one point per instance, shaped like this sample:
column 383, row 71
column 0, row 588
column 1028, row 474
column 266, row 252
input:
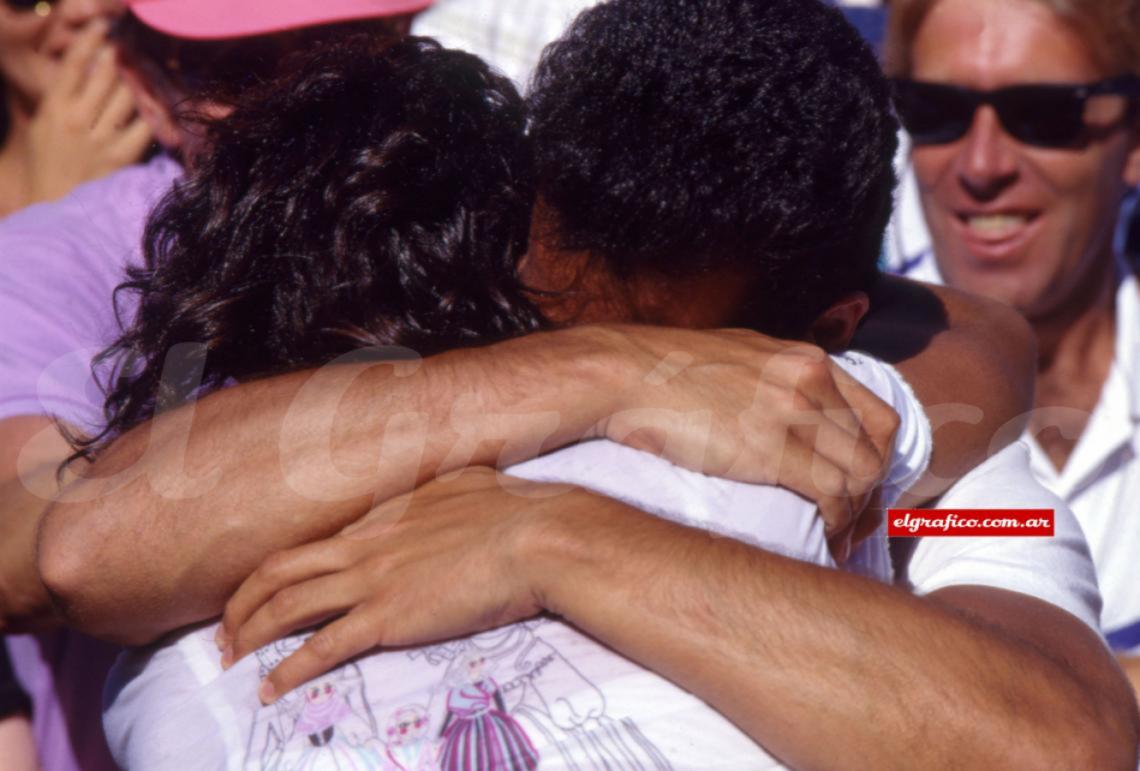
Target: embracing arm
column 176, row 513
column 968, row 677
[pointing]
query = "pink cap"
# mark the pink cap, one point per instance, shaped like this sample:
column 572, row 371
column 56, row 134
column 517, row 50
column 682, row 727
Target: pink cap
column 219, row 19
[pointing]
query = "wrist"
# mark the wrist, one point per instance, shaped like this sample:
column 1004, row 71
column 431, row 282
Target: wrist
column 610, row 368
column 547, row 549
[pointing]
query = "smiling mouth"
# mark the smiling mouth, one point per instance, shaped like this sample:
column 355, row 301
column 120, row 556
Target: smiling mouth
column 995, row 227
column 996, row 237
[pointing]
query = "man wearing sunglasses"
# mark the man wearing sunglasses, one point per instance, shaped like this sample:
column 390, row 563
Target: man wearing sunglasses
column 1024, row 122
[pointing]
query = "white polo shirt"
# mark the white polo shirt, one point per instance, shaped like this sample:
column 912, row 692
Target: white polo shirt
column 1101, row 480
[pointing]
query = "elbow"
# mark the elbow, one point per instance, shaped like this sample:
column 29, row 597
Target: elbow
column 1101, row 731
column 1113, row 746
column 64, row 565
column 1119, row 744
column 72, row 569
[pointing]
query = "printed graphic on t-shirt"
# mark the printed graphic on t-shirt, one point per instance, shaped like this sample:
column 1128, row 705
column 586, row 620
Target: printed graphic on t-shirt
column 327, row 724
column 504, row 700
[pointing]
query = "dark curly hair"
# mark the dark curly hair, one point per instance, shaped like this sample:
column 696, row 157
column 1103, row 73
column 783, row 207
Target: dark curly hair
column 688, row 135
column 378, row 195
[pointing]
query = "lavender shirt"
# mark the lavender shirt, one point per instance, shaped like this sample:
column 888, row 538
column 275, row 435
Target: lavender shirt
column 59, row 265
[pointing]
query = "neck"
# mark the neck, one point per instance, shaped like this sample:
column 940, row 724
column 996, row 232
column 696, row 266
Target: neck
column 1076, row 348
column 15, row 187
column 1084, row 329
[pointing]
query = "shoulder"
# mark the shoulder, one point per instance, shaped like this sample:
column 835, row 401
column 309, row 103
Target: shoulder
column 1057, row 569
column 100, row 218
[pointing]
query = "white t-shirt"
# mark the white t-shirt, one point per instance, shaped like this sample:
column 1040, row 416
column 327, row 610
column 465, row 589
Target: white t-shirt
column 537, row 692
column 1057, row 570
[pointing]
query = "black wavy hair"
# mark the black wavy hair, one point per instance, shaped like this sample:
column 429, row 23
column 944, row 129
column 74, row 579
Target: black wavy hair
column 689, row 135
column 379, row 195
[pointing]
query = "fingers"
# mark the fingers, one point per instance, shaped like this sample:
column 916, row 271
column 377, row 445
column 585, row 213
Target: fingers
column 114, row 115
column 98, row 87
column 840, row 546
column 876, row 417
column 340, row 641
column 80, row 56
column 129, row 146
column 854, row 455
column 870, row 518
column 275, row 574
column 818, row 479
column 296, row 607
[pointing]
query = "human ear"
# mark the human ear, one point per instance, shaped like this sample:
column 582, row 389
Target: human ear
column 834, row 328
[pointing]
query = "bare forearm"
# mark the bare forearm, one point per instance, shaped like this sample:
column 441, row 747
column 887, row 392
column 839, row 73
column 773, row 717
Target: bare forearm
column 792, row 652
column 175, row 512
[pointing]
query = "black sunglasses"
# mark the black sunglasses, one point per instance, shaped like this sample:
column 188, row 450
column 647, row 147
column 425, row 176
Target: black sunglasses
column 41, row 7
column 1044, row 115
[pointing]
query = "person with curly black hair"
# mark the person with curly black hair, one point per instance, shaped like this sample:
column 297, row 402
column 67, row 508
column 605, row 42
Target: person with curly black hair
column 375, row 222
column 683, row 169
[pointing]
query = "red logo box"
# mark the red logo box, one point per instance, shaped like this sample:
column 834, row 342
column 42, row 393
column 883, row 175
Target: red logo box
column 917, row 523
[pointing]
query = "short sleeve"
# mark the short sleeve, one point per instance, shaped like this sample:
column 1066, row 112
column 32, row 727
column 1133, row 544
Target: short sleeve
column 914, row 441
column 1058, row 569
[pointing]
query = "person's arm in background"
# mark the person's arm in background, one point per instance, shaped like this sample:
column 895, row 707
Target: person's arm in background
column 174, row 517
column 18, row 744
column 966, row 677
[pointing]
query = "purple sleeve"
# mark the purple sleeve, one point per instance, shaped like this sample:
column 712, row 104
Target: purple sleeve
column 59, row 266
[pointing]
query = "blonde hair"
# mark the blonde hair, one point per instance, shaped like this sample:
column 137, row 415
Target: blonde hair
column 1110, row 29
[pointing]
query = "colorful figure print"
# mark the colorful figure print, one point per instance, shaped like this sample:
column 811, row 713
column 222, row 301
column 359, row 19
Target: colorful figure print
column 409, row 748
column 478, row 734
column 553, row 702
column 325, row 724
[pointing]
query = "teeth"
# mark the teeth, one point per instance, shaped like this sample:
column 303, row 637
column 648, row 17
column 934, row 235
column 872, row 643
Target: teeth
column 996, row 225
